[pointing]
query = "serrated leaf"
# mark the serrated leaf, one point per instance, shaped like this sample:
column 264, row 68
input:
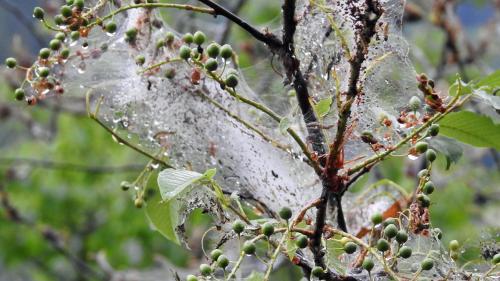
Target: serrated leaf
column 335, row 249
column 174, row 183
column 255, row 276
column 491, row 81
column 322, row 108
column 471, row 128
column 449, row 148
column 291, row 248
column 284, row 125
column 164, row 216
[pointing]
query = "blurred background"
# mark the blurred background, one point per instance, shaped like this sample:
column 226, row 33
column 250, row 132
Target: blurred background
column 63, row 215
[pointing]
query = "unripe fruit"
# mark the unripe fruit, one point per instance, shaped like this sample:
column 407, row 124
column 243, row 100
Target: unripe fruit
column 205, row 269
column 11, row 62
column 38, row 13
column 226, row 51
column 213, row 50
column 131, row 34
column 199, row 38
column 267, row 229
column 390, row 231
column 454, row 245
column 55, row 44
column 19, row 94
column 184, row 52
column 434, row 130
column 368, row 264
column 79, row 4
column 191, row 278
column 188, row 38
column 170, row 73
column 424, row 200
column 405, row 252
column 383, row 245
column 66, row 11
column 350, row 247
column 60, row 36
column 238, row 226
column 421, row 147
column 302, row 241
column 232, row 81
column 75, row 35
column 169, row 37
column 401, row 237
column 389, row 221
column 428, row 187
column 211, row 64
column 423, row 173
column 454, row 255
column 430, row 155
column 65, row 53
column 317, row 271
column 427, row 264
column 70, row 2
column 125, row 185
column 44, row 53
column 285, row 212
column 414, row 103
column 139, row 202
column 111, row 27
column 160, row 43
column 376, row 218
column 140, row 59
column 215, row 254
column 222, row 261
column 496, row 259
column 249, row 247
column 43, row 72
column 58, row 19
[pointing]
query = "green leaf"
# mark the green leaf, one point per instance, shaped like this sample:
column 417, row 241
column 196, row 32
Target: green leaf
column 449, row 148
column 210, row 173
column 491, row 81
column 255, row 276
column 174, row 183
column 284, row 125
column 291, row 248
column 334, row 250
column 322, row 108
column 471, row 128
column 164, row 216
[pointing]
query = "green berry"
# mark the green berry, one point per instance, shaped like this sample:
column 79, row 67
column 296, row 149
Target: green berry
column 188, row 38
column 454, row 245
column 401, row 237
column 383, row 245
column 75, row 35
column 19, row 94
column 222, row 261
column 111, row 27
column 170, row 73
column 350, row 247
column 169, row 37
column 232, row 81
column 79, row 4
column 11, row 62
column 249, row 247
column 59, row 19
column 55, row 44
column 427, row 264
column 496, row 259
column 160, row 44
column 428, row 187
column 302, row 241
column 44, row 53
column 140, row 59
column 139, row 202
column 424, row 200
column 70, row 2
column 421, row 147
column 205, row 269
column 215, row 254
column 199, row 38
column 415, row 103
column 60, row 36
column 376, row 218
column 405, row 252
column 434, row 130
column 368, row 264
column 317, row 271
column 191, row 278
column 226, row 51
column 185, row 52
column 238, row 226
column 454, row 255
column 430, row 155
column 390, row 221
column 268, row 229
column 213, row 50
column 66, row 11
column 131, row 34
column 211, row 64
column 43, row 72
column 285, row 212
column 423, row 173
column 38, row 13
column 125, row 185
column 390, row 231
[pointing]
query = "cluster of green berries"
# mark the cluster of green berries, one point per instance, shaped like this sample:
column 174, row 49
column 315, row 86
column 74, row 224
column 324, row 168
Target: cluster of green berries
column 422, row 147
